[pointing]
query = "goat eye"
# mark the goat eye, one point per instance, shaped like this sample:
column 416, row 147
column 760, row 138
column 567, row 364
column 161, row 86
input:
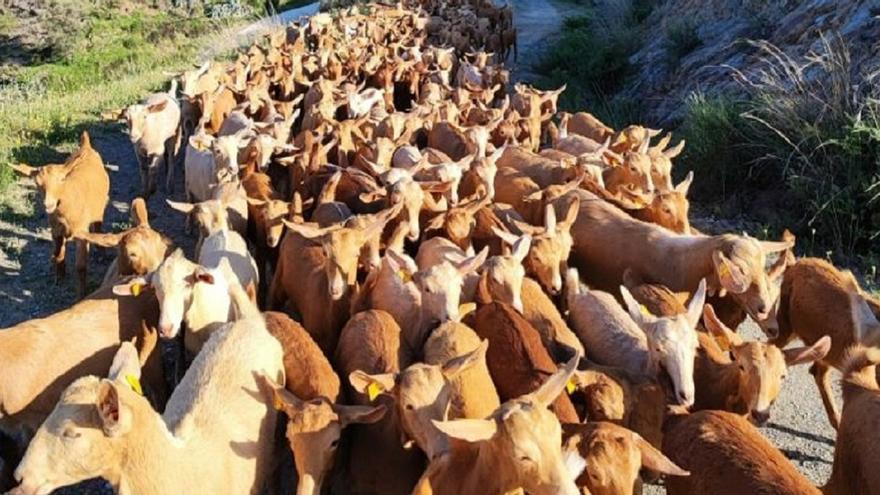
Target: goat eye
column 742, row 368
column 409, row 407
column 334, row 444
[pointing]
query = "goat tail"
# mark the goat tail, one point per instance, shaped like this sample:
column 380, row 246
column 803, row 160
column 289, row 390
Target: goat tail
column 856, row 368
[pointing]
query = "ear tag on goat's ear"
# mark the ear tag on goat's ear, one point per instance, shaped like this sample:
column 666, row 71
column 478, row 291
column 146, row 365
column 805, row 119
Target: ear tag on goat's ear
column 723, row 271
column 276, row 403
column 404, row 275
column 644, row 310
column 570, row 386
column 373, row 391
column 466, row 308
column 134, row 383
column 136, row 289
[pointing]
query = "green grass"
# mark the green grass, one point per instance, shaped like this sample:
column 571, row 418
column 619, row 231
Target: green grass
column 591, row 79
column 798, row 152
column 112, row 59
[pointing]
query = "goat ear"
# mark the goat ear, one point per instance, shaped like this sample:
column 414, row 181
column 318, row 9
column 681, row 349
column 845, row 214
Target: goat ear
column 372, row 385
column 731, row 278
column 139, row 215
column 456, row 365
column 158, row 107
column 654, row 460
column 521, row 248
column 504, row 235
column 636, row 311
column 280, row 398
column 675, row 150
column 803, row 355
column 200, row 274
column 549, row 218
column 695, row 307
column 103, row 240
column 663, row 143
column 133, row 287
column 359, row 414
column 726, row 338
column 770, row 247
column 683, row 186
column 570, row 216
column 550, row 389
column 114, row 416
column 471, row 264
column 308, row 231
column 469, row 430
column 180, row 206
column 126, row 365
column 25, row 170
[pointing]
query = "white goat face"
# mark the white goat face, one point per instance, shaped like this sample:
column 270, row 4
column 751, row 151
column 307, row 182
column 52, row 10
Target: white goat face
column 672, row 341
column 440, row 288
column 672, row 346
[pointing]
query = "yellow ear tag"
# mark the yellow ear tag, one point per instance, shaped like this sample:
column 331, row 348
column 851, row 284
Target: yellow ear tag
column 466, row 308
column 136, row 289
column 570, row 387
column 644, row 310
column 134, row 383
column 723, row 271
column 404, row 275
column 373, row 391
column 276, row 403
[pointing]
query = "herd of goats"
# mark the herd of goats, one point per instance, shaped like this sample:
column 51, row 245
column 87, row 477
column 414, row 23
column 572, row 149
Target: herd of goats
column 466, row 291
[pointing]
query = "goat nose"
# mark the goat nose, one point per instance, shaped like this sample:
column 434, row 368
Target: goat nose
column 166, row 330
column 760, row 417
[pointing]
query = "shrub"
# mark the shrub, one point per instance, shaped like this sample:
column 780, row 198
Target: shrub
column 590, row 79
column 807, row 131
column 681, row 39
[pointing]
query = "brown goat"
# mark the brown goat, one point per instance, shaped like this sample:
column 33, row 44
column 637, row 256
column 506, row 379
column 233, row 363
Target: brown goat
column 726, row 455
column 855, row 453
column 517, row 359
column 140, row 249
column 614, row 455
column 815, row 300
column 75, row 194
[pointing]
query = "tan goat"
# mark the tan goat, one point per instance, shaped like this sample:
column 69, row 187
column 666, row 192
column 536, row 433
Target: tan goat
column 104, row 427
column 613, row 456
column 377, row 462
column 726, row 455
column 816, row 300
column 607, row 242
column 140, row 249
column 855, row 453
column 518, row 446
column 75, row 194
column 423, row 394
column 309, row 399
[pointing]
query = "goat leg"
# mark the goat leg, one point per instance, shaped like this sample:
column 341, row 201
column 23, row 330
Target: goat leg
column 58, row 257
column 82, row 261
column 820, row 372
